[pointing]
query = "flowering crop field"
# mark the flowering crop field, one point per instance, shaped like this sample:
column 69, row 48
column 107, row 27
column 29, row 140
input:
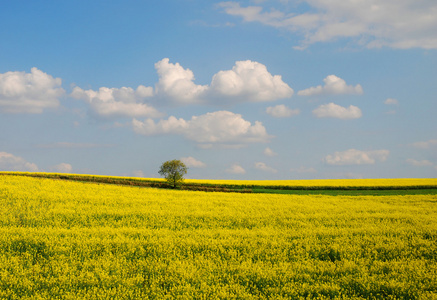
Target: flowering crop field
column 79, row 240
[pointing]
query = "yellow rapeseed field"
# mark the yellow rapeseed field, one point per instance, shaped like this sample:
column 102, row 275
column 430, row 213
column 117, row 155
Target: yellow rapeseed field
column 73, row 240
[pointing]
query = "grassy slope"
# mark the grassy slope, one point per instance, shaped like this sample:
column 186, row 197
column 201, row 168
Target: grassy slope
column 76, row 240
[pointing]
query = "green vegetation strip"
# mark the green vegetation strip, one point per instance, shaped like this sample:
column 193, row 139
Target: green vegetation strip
column 233, row 188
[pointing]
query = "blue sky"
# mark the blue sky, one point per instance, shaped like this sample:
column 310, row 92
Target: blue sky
column 237, row 90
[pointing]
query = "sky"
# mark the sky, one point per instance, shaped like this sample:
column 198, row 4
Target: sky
column 303, row 89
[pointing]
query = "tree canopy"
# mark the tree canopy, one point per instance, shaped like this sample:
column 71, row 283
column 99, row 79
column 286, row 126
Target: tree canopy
column 173, row 171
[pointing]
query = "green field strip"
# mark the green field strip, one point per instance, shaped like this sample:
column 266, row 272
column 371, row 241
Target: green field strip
column 242, row 188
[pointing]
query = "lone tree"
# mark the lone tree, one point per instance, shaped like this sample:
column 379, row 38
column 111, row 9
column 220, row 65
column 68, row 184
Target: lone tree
column 173, row 171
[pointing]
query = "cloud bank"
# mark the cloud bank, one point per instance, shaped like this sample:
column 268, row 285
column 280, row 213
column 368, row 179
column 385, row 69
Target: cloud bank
column 372, row 24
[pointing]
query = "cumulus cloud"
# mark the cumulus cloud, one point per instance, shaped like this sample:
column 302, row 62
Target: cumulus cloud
column 269, row 152
column 281, row 111
column 10, row 162
column 31, row 93
column 177, row 84
column 425, row 145
column 220, row 127
column 357, row 157
column 114, row 102
column 333, row 86
column 62, row 168
column 333, row 110
column 236, row 169
column 263, row 167
column 191, row 162
column 373, row 23
column 419, row 163
column 249, row 81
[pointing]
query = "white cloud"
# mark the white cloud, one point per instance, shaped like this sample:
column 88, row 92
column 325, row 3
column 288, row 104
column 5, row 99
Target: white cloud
column 332, row 110
column 263, row 167
column 425, row 145
column 333, row 86
column 32, row 92
column 249, row 81
column 191, row 162
column 62, row 168
column 391, row 101
column 357, row 157
column 373, row 23
column 419, row 163
column 220, row 127
column 269, row 152
column 123, row 102
column 281, row 111
column 177, row 84
column 169, row 126
column 10, row 162
column 236, row 169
